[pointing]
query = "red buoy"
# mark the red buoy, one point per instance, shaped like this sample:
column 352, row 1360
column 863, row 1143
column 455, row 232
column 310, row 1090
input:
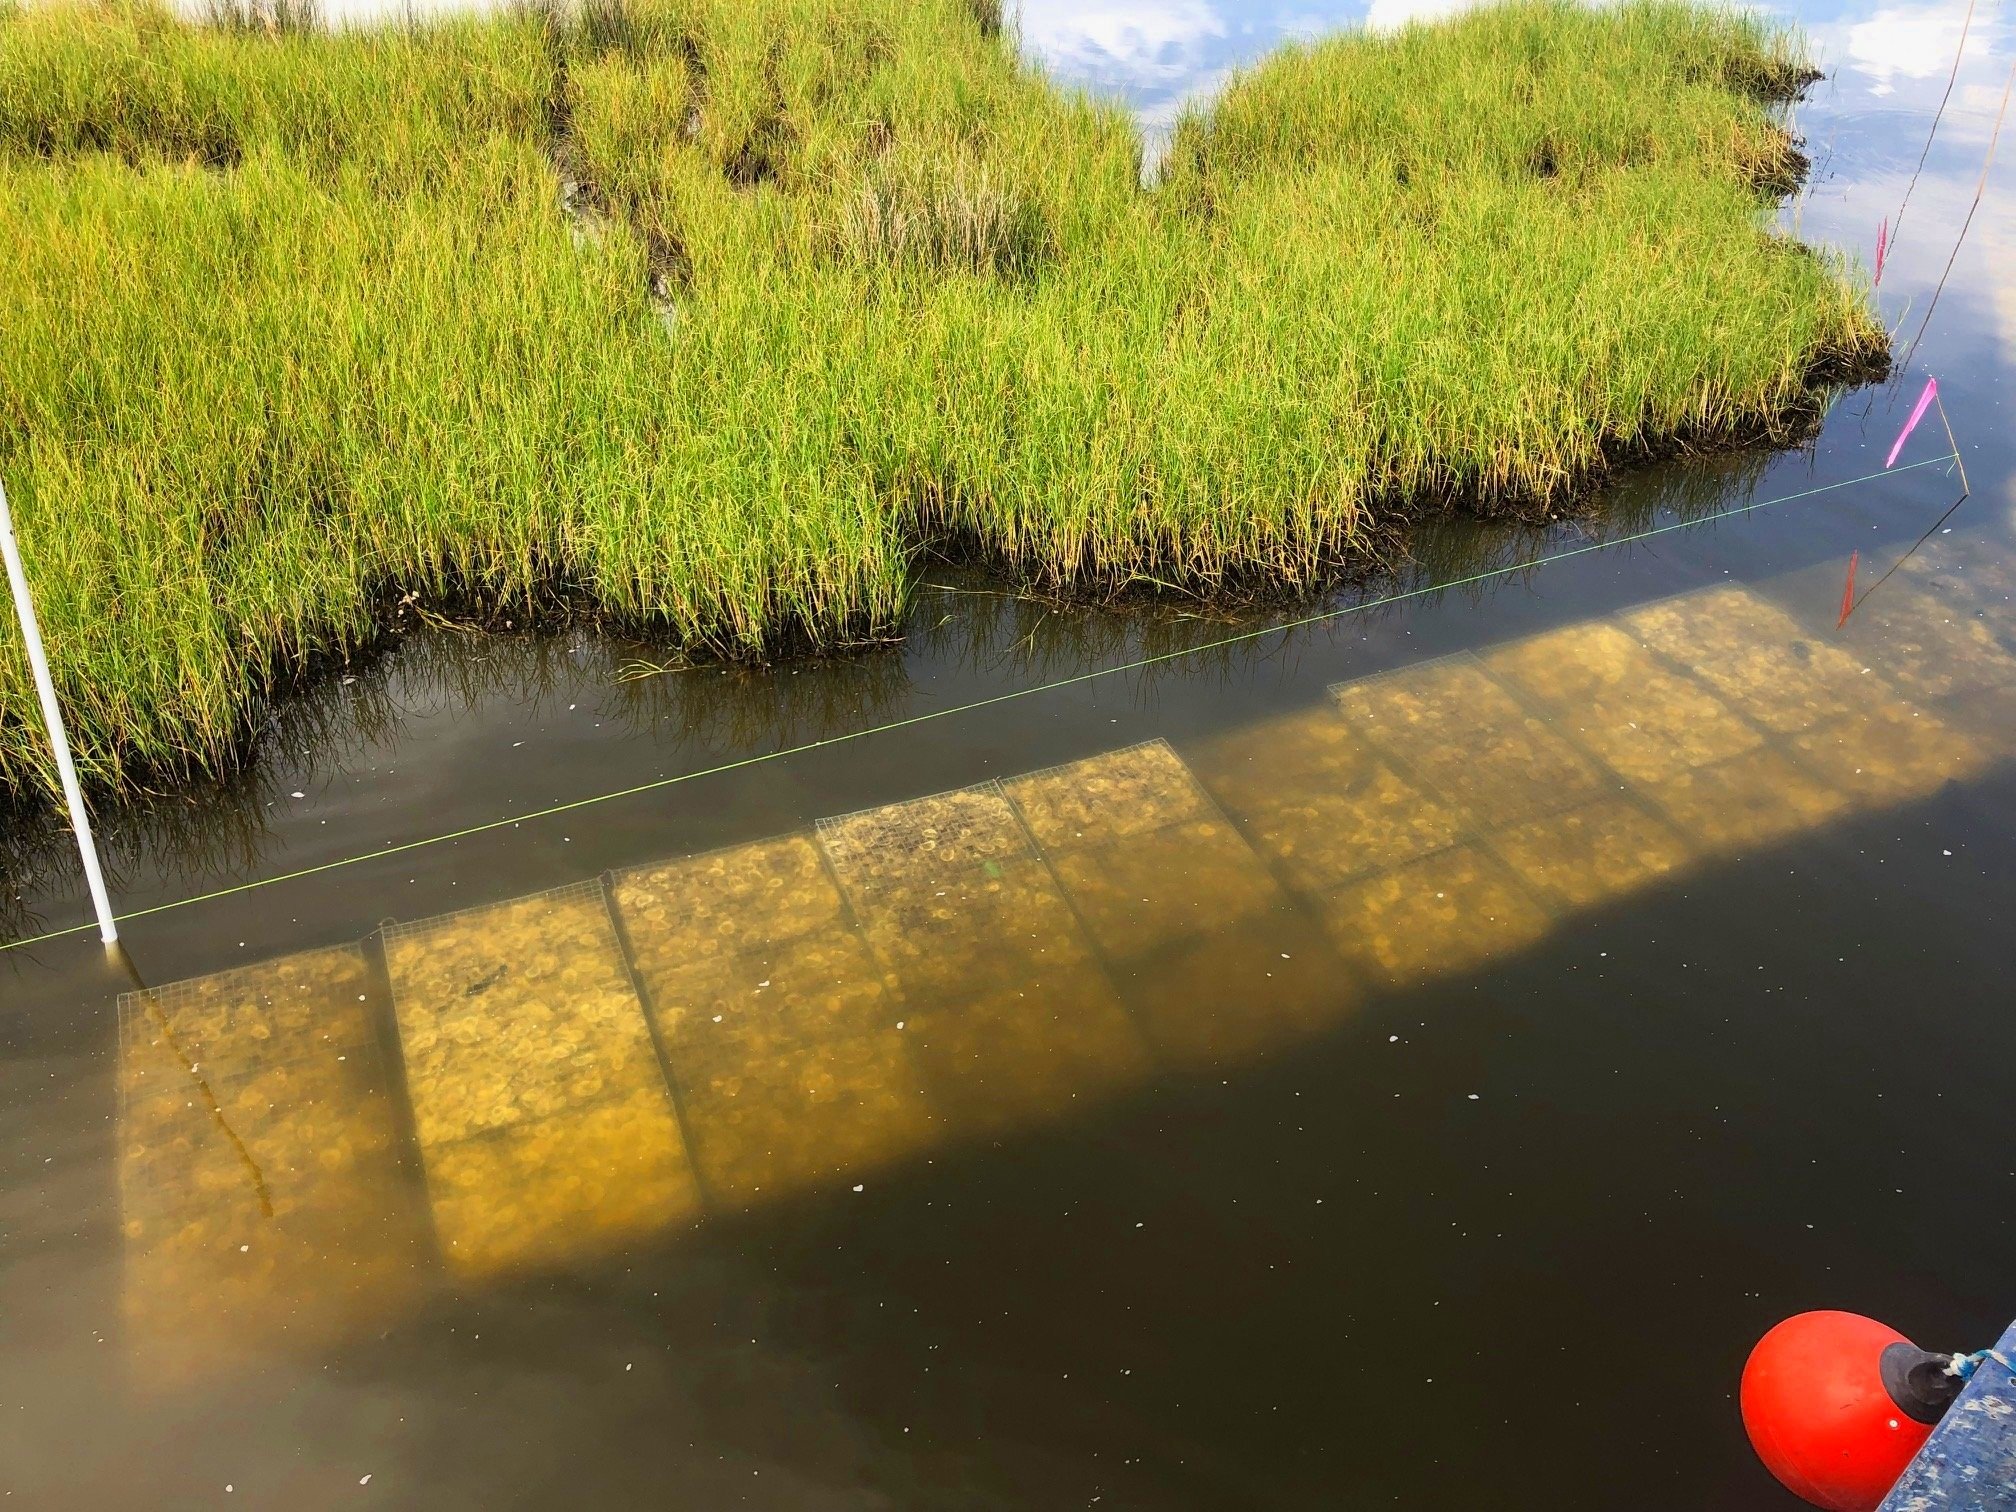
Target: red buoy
column 1837, row 1404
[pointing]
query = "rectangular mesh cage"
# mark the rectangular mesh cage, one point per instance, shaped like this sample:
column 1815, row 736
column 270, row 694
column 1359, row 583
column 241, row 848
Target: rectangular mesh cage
column 285, row 1009
column 391, row 929
column 1100, row 798
column 1406, row 670
column 893, row 845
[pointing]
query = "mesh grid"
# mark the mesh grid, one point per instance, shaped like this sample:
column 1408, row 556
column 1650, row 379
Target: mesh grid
column 1153, row 743
column 833, row 822
column 893, row 844
column 1183, row 796
column 174, row 994
column 393, row 930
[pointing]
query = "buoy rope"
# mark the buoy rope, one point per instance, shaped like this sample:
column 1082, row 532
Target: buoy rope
column 979, row 703
column 1964, row 1366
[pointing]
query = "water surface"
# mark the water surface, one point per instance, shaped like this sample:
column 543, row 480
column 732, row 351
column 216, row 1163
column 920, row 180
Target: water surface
column 1405, row 1058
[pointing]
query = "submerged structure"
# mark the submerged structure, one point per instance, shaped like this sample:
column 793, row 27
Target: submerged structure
column 531, row 1082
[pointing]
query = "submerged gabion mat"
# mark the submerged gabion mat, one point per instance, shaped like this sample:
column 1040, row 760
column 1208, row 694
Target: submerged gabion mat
column 523, row 1084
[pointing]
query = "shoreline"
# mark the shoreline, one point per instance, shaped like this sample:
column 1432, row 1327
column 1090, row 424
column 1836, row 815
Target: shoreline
column 943, row 386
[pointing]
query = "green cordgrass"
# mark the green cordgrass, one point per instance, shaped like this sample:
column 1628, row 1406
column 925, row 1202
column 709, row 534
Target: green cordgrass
column 301, row 325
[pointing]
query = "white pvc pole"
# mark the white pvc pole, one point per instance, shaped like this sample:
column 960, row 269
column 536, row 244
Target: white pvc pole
column 52, row 716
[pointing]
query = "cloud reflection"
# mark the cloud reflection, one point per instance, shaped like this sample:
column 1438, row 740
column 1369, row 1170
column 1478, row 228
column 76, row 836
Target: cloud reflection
column 1913, row 42
column 1131, row 44
column 1391, row 15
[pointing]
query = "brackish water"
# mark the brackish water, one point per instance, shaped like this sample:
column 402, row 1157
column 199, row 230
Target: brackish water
column 1404, row 1059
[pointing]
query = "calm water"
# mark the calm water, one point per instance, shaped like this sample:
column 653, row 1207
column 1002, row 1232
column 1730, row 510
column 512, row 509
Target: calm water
column 1401, row 1059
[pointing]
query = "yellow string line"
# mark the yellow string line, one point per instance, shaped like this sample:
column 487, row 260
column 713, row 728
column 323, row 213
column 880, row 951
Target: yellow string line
column 967, row 708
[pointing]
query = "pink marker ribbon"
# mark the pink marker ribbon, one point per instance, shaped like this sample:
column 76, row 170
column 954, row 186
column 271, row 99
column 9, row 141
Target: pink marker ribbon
column 1917, row 414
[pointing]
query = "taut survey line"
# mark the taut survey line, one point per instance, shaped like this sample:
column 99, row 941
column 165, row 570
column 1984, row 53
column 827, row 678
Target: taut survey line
column 981, row 703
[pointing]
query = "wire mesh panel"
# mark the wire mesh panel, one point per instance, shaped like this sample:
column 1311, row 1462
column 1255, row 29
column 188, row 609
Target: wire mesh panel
column 950, row 893
column 979, row 960
column 1541, row 825
column 1448, row 911
column 1971, row 584
column 542, row 1115
column 1587, row 856
column 1811, row 733
column 1528, row 749
column 1757, row 657
column 923, row 840
column 1470, row 741
column 1839, row 713
column 1941, row 635
column 1010, row 1013
column 1641, row 718
column 259, row 1180
column 1931, row 650
column 1208, row 949
column 780, row 1028
column 1126, row 832
column 1709, row 723
column 1323, row 803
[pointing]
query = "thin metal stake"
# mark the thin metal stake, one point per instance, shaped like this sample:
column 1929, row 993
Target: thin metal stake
column 52, row 716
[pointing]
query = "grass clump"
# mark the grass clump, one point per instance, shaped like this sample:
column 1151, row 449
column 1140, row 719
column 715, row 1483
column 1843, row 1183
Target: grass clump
column 705, row 315
column 930, row 211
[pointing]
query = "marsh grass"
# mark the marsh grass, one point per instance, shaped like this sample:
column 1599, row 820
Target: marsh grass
column 303, row 329
column 941, row 213
column 270, row 17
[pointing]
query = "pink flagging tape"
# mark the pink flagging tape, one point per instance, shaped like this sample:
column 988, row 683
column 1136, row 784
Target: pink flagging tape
column 1917, row 414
